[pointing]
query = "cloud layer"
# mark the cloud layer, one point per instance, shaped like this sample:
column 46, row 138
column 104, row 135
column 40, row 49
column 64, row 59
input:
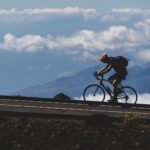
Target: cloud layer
column 43, row 13
column 115, row 37
column 126, row 15
column 86, row 43
column 122, row 14
column 143, row 98
column 133, row 40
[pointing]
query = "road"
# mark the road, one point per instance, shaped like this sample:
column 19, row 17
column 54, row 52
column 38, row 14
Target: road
column 73, row 108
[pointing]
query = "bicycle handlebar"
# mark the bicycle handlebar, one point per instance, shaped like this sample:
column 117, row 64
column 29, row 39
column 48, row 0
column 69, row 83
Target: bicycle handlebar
column 98, row 77
column 101, row 78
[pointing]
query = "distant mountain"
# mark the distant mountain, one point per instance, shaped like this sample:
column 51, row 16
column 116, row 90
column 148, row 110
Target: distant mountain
column 73, row 86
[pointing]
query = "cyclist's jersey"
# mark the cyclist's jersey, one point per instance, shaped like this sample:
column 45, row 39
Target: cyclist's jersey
column 117, row 67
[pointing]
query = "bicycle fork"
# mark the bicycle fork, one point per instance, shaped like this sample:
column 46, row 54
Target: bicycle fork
column 95, row 91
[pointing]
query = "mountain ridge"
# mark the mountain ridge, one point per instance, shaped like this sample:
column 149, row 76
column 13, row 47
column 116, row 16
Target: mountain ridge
column 74, row 85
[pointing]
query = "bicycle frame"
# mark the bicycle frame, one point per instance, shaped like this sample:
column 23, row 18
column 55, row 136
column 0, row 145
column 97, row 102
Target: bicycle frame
column 105, row 88
column 103, row 85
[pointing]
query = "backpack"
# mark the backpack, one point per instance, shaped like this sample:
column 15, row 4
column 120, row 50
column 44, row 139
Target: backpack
column 122, row 61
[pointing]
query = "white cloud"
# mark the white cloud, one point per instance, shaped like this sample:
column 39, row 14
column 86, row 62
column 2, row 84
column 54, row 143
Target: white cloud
column 130, row 11
column 88, row 12
column 143, row 98
column 84, row 44
column 90, row 97
column 43, row 13
column 12, row 11
column 113, row 38
column 117, row 37
column 27, row 43
column 144, row 55
column 144, row 27
column 38, row 14
column 48, row 11
column 83, row 39
column 126, row 14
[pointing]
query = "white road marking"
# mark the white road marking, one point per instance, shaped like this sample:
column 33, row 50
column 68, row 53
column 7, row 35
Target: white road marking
column 73, row 109
column 30, row 101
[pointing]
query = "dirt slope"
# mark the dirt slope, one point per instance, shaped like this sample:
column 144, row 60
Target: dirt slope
column 29, row 132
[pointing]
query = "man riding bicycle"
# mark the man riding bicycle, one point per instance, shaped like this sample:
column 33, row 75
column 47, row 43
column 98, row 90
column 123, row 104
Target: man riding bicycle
column 119, row 64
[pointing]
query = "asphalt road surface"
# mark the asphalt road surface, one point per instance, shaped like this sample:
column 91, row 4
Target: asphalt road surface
column 46, row 107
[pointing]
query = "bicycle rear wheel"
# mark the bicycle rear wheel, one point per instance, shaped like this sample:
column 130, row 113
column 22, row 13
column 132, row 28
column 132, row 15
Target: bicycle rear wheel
column 128, row 95
column 93, row 94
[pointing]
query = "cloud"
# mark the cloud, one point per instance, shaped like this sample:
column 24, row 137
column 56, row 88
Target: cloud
column 126, row 15
column 84, row 39
column 144, row 27
column 59, row 11
column 119, row 37
column 112, row 38
column 27, row 43
column 38, row 14
column 43, row 13
column 144, row 55
column 85, row 43
column 131, row 11
column 114, row 14
column 143, row 98
column 34, row 43
column 90, row 97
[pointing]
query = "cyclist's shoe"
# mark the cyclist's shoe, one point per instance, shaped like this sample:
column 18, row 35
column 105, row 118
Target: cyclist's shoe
column 112, row 100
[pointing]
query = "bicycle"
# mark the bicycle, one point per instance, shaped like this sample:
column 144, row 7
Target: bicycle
column 95, row 93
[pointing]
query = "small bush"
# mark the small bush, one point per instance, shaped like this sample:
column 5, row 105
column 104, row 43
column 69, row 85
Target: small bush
column 130, row 119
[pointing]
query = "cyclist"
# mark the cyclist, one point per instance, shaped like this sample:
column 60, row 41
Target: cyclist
column 119, row 64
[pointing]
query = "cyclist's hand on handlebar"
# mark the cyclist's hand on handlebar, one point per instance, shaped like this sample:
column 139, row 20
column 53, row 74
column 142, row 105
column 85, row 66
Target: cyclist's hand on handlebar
column 95, row 74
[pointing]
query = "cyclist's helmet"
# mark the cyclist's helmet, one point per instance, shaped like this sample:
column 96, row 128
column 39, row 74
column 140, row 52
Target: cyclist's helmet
column 103, row 57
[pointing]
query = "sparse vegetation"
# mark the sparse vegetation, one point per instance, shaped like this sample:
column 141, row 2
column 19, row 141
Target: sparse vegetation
column 130, row 119
column 29, row 132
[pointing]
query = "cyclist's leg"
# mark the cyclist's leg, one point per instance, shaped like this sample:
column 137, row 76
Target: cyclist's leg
column 113, row 81
column 117, row 81
column 114, row 94
column 112, row 78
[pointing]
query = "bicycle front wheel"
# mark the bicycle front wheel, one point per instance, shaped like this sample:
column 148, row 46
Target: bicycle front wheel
column 93, row 94
column 128, row 95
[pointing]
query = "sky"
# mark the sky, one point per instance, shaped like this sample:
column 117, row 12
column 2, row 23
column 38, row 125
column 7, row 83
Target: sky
column 41, row 41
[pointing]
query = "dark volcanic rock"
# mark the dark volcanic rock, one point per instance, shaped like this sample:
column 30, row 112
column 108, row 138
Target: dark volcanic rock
column 100, row 121
column 70, row 133
column 61, row 97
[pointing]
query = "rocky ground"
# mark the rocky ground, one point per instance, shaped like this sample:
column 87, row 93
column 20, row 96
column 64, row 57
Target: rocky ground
column 51, row 132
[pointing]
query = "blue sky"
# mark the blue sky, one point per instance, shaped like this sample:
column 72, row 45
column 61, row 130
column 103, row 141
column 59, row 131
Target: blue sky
column 98, row 4
column 41, row 41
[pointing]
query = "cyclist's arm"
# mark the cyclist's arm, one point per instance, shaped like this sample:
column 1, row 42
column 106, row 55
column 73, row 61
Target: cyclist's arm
column 104, row 70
